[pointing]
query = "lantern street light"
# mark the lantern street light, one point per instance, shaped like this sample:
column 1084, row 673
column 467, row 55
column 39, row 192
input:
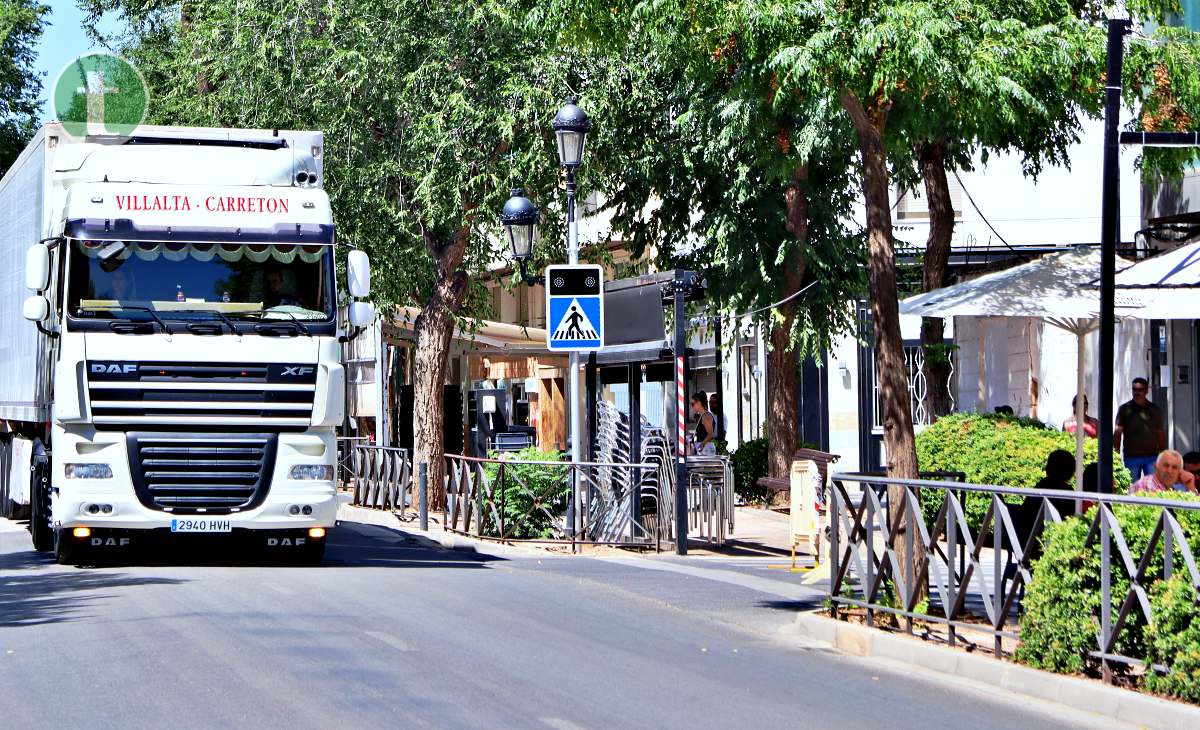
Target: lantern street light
column 571, row 126
column 520, row 218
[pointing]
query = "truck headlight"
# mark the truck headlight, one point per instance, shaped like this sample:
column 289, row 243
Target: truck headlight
column 89, row 471
column 317, row 472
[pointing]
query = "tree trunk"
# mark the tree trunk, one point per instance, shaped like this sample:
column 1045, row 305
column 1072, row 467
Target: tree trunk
column 434, row 329
column 782, row 415
column 890, row 368
column 937, row 259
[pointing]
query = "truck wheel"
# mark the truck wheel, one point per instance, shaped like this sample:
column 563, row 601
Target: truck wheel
column 6, row 504
column 67, row 549
column 39, row 502
column 311, row 554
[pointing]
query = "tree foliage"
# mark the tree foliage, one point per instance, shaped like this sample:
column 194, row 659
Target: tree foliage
column 21, row 24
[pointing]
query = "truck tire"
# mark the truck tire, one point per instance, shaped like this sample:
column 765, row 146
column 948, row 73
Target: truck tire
column 68, row 550
column 6, row 503
column 39, row 501
column 312, row 554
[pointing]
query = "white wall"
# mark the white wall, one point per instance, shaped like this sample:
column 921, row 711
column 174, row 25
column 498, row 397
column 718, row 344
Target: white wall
column 1061, row 207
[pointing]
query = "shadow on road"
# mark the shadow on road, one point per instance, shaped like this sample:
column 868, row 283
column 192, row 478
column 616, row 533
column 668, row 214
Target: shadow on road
column 30, row 599
column 351, row 545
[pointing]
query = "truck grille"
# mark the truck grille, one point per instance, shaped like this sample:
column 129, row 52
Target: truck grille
column 211, row 473
column 276, row 395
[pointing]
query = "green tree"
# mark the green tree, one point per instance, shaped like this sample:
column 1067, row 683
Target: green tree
column 21, row 24
column 709, row 167
column 431, row 112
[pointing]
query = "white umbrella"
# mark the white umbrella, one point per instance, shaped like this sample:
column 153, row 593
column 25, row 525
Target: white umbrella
column 1166, row 286
column 1054, row 289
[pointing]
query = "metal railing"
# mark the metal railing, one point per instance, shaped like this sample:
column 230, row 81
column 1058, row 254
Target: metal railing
column 382, row 477
column 513, row 500
column 345, row 456
column 869, row 544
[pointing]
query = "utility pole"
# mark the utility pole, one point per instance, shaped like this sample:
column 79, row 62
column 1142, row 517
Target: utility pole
column 1110, row 225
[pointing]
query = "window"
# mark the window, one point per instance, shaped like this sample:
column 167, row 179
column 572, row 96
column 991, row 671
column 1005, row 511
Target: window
column 914, row 204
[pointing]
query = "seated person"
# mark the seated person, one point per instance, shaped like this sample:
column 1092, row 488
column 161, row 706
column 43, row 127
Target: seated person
column 1060, row 473
column 281, row 290
column 120, row 286
column 1167, row 476
column 1191, row 463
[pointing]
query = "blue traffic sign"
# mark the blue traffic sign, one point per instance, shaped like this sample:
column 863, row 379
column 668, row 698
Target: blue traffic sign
column 575, row 308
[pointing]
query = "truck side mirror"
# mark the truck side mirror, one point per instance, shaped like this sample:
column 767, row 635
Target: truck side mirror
column 361, row 314
column 37, row 268
column 36, row 308
column 358, row 274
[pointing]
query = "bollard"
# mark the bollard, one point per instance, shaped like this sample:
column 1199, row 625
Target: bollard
column 423, row 494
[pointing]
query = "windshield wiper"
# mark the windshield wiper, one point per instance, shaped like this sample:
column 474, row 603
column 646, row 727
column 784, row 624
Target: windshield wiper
column 233, row 327
column 261, row 314
column 133, row 307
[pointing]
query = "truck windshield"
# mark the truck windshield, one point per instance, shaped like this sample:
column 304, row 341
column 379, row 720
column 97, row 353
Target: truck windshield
column 288, row 281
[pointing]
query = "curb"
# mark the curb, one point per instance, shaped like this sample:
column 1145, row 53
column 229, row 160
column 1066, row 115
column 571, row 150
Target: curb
column 1075, row 692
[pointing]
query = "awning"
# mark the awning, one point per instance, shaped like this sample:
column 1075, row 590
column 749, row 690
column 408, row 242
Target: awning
column 490, row 338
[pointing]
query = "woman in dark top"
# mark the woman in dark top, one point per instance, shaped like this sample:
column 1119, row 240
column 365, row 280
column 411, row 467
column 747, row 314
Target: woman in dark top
column 705, row 428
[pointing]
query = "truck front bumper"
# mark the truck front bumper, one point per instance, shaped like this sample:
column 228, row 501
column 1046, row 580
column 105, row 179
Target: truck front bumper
column 112, row 503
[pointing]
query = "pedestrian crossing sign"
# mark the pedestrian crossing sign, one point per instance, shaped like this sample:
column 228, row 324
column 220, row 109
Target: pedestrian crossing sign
column 575, row 308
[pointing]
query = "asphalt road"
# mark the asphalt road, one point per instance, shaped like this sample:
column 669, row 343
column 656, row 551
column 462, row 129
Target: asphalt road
column 392, row 631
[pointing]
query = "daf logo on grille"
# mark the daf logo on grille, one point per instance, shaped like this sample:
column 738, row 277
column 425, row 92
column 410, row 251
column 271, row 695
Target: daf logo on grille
column 120, row 368
column 298, row 370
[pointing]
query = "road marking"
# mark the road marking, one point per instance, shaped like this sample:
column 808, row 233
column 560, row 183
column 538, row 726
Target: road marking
column 392, row 641
column 560, row 724
column 280, row 589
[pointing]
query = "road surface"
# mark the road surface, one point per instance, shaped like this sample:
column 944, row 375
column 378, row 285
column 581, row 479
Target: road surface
column 393, row 631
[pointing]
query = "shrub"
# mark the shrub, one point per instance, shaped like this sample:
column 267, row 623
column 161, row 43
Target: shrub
column 749, row 464
column 527, row 494
column 995, row 449
column 1062, row 604
column 1174, row 639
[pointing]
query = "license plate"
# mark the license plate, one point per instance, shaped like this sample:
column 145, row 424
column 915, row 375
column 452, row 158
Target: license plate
column 201, row 524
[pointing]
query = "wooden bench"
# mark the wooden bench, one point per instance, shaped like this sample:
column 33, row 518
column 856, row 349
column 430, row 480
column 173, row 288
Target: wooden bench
column 776, row 486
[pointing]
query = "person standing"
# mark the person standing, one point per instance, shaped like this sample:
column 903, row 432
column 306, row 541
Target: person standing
column 702, row 444
column 714, row 406
column 1139, row 427
column 1091, row 426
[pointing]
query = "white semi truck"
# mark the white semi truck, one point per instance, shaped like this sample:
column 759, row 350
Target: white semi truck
column 169, row 341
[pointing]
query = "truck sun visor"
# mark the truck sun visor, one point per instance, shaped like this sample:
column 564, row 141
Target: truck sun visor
column 123, row 229
column 284, row 253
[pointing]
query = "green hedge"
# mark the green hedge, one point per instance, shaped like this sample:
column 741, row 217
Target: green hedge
column 749, row 462
column 547, row 485
column 1062, row 605
column 995, row 449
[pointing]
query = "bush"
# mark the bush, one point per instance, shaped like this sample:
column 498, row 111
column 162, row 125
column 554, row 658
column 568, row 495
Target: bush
column 749, row 464
column 1062, row 604
column 995, row 449
column 1174, row 639
column 527, row 494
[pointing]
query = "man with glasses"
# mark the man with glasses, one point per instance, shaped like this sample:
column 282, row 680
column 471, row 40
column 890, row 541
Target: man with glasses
column 1140, row 429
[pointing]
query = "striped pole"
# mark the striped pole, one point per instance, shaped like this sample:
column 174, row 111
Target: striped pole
column 680, row 288
column 680, row 409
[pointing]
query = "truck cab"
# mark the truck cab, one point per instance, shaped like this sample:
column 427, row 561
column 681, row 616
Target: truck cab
column 186, row 303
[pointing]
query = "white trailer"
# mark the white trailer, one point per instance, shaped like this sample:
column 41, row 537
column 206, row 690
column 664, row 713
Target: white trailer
column 169, row 353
